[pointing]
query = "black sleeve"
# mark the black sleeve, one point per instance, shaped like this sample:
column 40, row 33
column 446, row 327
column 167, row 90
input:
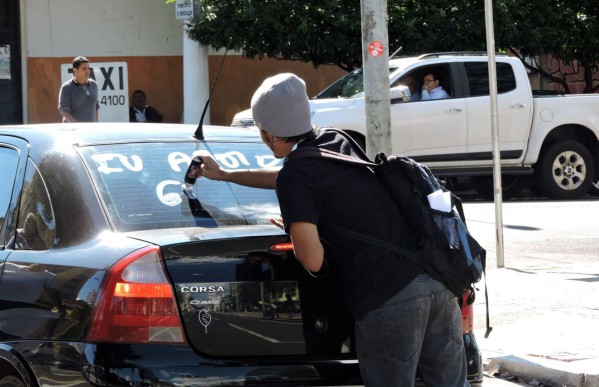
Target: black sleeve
column 152, row 115
column 132, row 115
column 298, row 196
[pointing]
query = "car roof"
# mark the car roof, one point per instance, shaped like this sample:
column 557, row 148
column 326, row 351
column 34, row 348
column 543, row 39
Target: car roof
column 119, row 132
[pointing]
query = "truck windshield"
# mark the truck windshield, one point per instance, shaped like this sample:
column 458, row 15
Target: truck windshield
column 350, row 85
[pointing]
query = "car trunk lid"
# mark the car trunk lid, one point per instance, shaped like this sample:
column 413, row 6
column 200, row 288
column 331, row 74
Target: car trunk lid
column 241, row 293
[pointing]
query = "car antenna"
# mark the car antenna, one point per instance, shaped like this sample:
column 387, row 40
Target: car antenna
column 199, row 133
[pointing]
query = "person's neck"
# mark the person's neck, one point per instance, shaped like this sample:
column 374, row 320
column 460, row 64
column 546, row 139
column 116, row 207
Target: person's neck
column 286, row 147
column 81, row 81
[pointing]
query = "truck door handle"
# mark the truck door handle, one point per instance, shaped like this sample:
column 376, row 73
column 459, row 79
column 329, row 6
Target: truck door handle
column 453, row 110
column 518, row 106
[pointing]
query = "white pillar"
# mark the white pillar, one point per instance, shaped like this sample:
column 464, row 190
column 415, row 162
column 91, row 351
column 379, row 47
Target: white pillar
column 196, row 81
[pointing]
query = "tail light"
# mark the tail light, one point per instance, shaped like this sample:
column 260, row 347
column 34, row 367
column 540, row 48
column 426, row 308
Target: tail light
column 136, row 303
column 281, row 247
column 467, row 311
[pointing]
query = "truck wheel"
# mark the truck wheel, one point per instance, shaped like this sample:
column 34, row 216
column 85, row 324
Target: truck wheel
column 566, row 170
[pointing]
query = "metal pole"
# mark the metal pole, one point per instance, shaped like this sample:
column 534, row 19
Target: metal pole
column 375, row 58
column 495, row 131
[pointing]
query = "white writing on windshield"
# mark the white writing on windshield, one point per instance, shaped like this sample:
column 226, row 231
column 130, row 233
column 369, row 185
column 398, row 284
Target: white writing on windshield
column 115, row 163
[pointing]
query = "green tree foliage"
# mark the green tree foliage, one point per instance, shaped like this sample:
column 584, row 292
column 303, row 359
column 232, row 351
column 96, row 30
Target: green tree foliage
column 567, row 29
column 329, row 32
column 321, row 32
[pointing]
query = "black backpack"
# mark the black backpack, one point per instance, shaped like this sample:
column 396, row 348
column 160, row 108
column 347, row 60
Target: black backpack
column 446, row 249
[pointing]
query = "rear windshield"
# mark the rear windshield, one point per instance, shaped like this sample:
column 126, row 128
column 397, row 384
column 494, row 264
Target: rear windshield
column 141, row 185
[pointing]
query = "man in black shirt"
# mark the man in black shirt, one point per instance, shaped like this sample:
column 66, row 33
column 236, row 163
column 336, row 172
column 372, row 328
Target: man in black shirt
column 139, row 111
column 406, row 321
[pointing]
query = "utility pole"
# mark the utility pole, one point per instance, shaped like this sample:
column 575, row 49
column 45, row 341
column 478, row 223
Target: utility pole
column 375, row 58
column 490, row 34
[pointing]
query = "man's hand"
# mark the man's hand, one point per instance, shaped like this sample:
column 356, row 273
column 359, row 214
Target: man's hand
column 209, row 168
column 68, row 117
column 277, row 222
column 257, row 178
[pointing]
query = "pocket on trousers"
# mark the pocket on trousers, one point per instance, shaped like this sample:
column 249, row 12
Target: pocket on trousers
column 401, row 334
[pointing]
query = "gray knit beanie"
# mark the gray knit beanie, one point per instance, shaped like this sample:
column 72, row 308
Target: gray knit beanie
column 280, row 106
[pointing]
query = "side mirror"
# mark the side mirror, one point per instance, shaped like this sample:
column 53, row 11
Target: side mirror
column 399, row 94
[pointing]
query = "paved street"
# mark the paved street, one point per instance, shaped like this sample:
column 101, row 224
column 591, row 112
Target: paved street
column 543, row 303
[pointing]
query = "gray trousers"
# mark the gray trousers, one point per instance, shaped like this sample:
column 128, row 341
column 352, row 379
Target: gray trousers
column 418, row 329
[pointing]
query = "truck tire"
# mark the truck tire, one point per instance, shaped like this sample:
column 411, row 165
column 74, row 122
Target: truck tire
column 566, row 170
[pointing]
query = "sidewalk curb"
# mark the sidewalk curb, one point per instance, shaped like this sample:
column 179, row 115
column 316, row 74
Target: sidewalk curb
column 540, row 369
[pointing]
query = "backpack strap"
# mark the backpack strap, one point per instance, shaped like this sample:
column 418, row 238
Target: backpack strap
column 356, row 147
column 377, row 242
column 313, row 152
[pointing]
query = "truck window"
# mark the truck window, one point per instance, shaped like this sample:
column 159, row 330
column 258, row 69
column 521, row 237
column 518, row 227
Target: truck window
column 478, row 78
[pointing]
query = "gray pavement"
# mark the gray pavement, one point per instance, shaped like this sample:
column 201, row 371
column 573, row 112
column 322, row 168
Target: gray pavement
column 545, row 320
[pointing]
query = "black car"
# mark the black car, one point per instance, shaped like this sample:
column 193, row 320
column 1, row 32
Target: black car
column 117, row 273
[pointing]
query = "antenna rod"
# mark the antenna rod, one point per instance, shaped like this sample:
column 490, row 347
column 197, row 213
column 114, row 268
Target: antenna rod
column 199, row 133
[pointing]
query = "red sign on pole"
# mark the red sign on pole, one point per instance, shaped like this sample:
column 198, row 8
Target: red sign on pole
column 375, row 48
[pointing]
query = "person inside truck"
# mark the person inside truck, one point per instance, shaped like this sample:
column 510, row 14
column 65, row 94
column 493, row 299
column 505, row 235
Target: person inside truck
column 411, row 82
column 431, row 87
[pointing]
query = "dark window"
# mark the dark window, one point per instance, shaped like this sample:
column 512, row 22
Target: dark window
column 478, row 78
column 141, row 185
column 35, row 226
column 9, row 159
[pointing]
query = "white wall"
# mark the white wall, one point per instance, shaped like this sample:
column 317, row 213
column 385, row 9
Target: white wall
column 66, row 28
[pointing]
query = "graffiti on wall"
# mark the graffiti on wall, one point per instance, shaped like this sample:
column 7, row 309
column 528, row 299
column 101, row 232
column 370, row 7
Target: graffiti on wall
column 572, row 73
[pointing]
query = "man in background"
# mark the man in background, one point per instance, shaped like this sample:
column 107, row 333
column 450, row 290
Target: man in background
column 431, row 87
column 78, row 97
column 140, row 111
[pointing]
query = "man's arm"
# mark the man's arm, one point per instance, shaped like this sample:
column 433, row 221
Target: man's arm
column 257, row 178
column 68, row 116
column 153, row 115
column 64, row 103
column 306, row 245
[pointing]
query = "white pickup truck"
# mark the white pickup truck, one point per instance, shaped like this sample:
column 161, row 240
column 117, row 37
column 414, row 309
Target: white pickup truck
column 548, row 142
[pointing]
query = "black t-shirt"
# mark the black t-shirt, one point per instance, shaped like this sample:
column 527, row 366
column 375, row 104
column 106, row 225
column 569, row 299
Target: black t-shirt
column 325, row 192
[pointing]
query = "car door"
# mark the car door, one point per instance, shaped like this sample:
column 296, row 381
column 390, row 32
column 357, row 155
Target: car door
column 432, row 131
column 514, row 110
